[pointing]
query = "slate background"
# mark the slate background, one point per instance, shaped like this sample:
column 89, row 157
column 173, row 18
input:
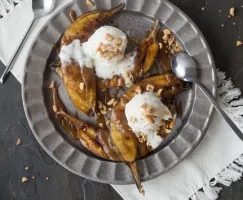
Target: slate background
column 62, row 184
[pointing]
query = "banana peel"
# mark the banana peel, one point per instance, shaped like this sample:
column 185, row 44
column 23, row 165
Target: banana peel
column 82, row 28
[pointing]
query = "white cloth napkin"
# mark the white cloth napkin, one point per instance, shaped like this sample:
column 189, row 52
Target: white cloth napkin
column 218, row 156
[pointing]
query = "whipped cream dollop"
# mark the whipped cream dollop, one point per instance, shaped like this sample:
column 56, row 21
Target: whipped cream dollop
column 144, row 113
column 104, row 51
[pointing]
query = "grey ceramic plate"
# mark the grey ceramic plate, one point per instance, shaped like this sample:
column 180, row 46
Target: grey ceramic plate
column 137, row 18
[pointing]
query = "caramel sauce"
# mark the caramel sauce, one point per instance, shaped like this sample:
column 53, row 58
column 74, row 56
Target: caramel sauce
column 103, row 138
column 67, row 124
column 169, row 83
column 163, row 55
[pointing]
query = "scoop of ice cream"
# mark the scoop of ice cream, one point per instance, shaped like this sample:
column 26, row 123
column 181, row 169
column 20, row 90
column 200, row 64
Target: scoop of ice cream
column 145, row 113
column 104, row 51
column 74, row 51
column 107, row 43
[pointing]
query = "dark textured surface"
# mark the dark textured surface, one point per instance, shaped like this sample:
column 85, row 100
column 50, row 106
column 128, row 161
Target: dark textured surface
column 63, row 184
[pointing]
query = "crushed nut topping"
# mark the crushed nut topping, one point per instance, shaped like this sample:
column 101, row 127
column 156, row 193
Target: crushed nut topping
column 128, row 74
column 19, row 142
column 104, row 107
column 118, row 121
column 167, row 130
column 171, row 40
column 89, row 3
column 52, row 85
column 81, row 86
column 103, row 112
column 232, row 11
column 138, row 90
column 100, row 105
column 239, row 43
column 109, row 37
column 150, row 88
column 142, row 138
column 106, row 47
column 101, row 125
column 115, row 103
column 54, row 107
column 160, row 92
column 150, row 110
column 144, row 106
column 172, row 124
column 24, row 179
column 165, row 38
column 118, row 41
column 132, row 119
column 167, row 31
column 149, row 119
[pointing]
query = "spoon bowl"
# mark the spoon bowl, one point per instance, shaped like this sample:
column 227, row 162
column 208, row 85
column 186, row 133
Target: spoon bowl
column 42, row 8
column 185, row 68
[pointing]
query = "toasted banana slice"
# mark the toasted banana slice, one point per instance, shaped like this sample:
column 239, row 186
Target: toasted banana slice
column 80, row 81
column 124, row 140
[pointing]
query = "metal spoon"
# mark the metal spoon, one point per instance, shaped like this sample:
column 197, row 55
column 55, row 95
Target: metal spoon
column 41, row 8
column 185, row 68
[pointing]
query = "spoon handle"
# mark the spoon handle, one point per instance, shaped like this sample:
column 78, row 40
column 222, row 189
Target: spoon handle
column 14, row 56
column 221, row 112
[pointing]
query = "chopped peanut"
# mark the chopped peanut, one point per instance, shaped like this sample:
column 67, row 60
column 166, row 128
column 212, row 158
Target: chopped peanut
column 109, row 37
column 81, row 86
column 172, row 124
column 159, row 92
column 232, row 11
column 54, row 107
column 89, row 3
column 101, row 125
column 138, row 90
column 239, row 43
column 165, row 38
column 24, row 179
column 118, row 41
column 112, row 101
column 171, row 40
column 150, row 88
column 19, row 142
column 149, row 119
column 167, row 130
column 167, row 32
column 52, row 85
column 132, row 119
